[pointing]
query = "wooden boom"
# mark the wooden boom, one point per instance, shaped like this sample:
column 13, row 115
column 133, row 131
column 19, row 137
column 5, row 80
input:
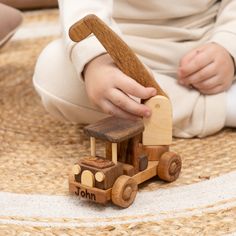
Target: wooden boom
column 120, row 52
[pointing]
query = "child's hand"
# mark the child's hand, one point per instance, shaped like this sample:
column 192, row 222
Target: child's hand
column 209, row 69
column 108, row 88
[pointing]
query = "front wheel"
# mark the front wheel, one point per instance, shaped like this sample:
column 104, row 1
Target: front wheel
column 169, row 166
column 124, row 191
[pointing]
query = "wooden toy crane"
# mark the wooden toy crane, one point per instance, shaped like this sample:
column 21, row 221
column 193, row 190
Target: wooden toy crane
column 135, row 150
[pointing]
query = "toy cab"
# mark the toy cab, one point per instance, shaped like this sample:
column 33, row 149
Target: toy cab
column 127, row 163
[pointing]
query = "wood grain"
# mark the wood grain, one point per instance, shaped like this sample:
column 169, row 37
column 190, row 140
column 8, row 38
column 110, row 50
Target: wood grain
column 87, row 178
column 111, row 173
column 124, row 191
column 123, row 56
column 114, row 129
column 155, row 152
column 158, row 127
column 97, row 162
column 148, row 173
column 92, row 194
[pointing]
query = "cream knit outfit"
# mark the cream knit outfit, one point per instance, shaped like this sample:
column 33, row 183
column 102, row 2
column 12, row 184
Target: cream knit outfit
column 160, row 33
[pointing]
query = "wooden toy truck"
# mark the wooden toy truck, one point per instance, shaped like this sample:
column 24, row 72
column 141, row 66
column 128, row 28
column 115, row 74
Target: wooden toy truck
column 135, row 150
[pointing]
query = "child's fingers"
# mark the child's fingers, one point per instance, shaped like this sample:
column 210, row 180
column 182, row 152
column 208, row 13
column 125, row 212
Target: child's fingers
column 209, row 85
column 191, row 54
column 200, row 61
column 133, row 88
column 109, row 108
column 124, row 102
column 188, row 57
column 199, row 76
column 214, row 90
column 212, row 85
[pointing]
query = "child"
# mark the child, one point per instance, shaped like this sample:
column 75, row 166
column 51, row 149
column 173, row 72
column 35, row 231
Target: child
column 189, row 47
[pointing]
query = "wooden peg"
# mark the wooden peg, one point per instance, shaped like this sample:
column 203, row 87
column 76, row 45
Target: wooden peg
column 114, row 153
column 99, row 176
column 76, row 169
column 158, row 127
column 93, row 146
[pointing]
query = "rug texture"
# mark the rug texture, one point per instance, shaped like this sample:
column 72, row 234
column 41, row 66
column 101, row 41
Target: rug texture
column 37, row 152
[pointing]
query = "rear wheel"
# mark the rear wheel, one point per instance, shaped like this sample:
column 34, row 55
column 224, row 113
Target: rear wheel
column 124, row 191
column 169, row 166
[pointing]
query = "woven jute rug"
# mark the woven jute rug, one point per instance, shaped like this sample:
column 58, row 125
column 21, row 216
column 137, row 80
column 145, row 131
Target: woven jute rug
column 37, row 152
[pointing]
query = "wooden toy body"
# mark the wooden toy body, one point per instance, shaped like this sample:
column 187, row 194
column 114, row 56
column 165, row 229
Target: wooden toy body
column 103, row 196
column 135, row 151
column 127, row 163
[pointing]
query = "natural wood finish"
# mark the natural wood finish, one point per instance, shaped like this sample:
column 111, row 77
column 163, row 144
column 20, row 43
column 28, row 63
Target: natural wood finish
column 114, row 129
column 158, row 127
column 120, row 52
column 97, row 162
column 124, row 191
column 93, row 146
column 169, row 166
column 76, row 169
column 99, row 176
column 87, row 178
column 155, row 152
column 150, row 172
column 72, row 187
column 111, row 173
column 134, row 152
column 127, row 192
column 128, row 169
column 71, row 177
column 127, row 144
column 122, row 149
column 114, row 152
column 143, row 162
column 108, row 151
column 92, row 194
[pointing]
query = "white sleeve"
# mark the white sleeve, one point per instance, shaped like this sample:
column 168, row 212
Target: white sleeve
column 73, row 10
column 224, row 32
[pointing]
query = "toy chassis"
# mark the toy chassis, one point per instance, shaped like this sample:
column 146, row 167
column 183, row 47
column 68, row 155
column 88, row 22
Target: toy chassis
column 135, row 150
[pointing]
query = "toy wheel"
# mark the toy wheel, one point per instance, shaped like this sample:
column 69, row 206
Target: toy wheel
column 124, row 191
column 169, row 166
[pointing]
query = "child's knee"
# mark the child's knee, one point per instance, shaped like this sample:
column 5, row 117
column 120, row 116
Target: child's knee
column 52, row 65
column 68, row 112
column 52, row 108
column 61, row 90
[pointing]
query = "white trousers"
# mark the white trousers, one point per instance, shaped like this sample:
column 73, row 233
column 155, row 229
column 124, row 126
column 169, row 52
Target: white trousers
column 64, row 96
column 62, row 92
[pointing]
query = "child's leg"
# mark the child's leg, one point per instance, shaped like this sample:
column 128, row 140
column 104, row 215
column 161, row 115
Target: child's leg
column 194, row 114
column 231, row 107
column 61, row 90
